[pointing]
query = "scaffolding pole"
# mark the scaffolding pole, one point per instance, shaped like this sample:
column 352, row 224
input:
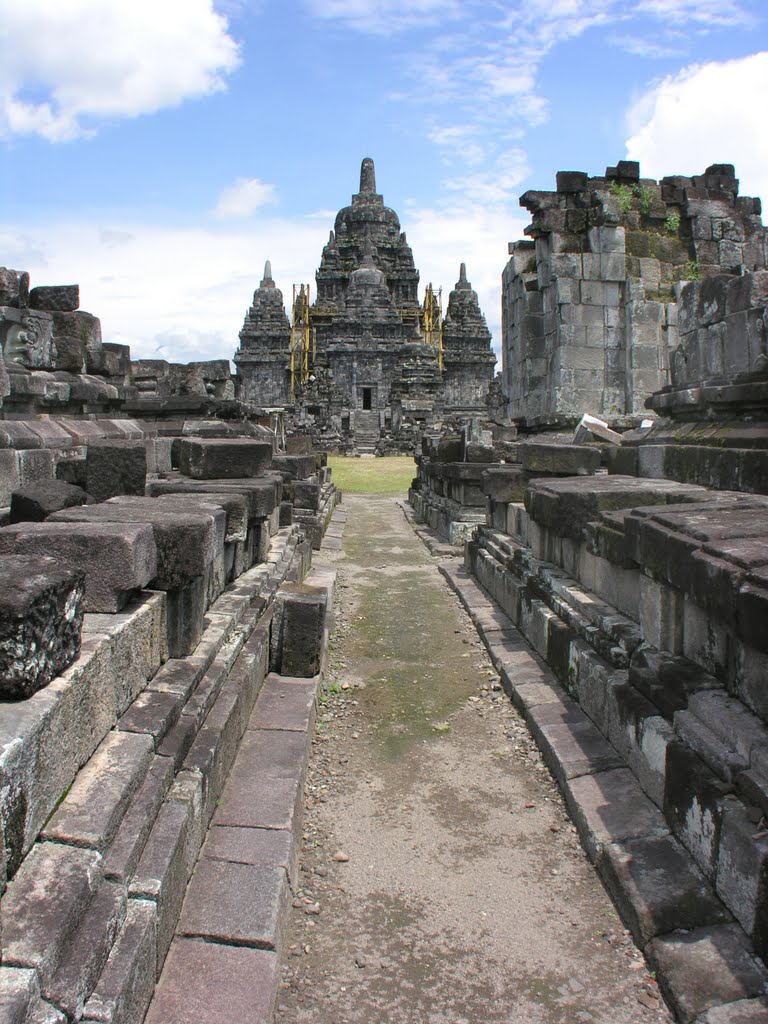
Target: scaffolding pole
column 300, row 337
column 433, row 321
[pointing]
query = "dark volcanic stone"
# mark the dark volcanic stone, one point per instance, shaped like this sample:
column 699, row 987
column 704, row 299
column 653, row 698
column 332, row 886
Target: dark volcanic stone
column 115, row 467
column 33, row 503
column 64, row 298
column 41, row 615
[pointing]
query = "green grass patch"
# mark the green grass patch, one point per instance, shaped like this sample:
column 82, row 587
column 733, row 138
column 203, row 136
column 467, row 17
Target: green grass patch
column 390, row 475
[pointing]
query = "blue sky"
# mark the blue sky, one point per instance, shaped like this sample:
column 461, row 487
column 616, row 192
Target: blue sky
column 158, row 153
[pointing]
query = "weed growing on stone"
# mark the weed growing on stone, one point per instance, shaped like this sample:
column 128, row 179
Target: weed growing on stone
column 672, row 223
column 623, row 196
column 646, row 194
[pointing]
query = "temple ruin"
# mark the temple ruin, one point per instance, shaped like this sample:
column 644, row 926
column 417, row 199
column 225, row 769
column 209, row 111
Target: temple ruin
column 366, row 360
column 166, row 605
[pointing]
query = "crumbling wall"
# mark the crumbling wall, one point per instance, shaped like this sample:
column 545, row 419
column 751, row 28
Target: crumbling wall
column 589, row 307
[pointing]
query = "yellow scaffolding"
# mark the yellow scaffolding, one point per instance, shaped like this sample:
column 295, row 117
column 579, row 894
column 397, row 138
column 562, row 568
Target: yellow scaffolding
column 301, row 335
column 432, row 313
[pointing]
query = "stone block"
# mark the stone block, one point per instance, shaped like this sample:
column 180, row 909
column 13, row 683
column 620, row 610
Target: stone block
column 295, row 467
column 209, row 983
column 306, row 495
column 44, row 905
column 126, row 983
column 184, row 541
column 87, row 950
column 744, row 1011
column 19, row 993
column 218, row 458
column 235, row 505
column 10, row 480
column 298, row 630
column 252, row 846
column 36, row 466
column 657, row 887
column 115, row 467
column 567, row 460
column 742, row 866
column 41, row 613
column 94, row 807
column 117, row 558
column 63, row 297
column 611, row 807
column 37, row 501
column 121, row 858
column 237, row 904
column 705, row 968
column 570, row 743
column 166, row 863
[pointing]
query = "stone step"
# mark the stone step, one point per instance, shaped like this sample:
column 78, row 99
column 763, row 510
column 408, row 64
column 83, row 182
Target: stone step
column 44, row 905
column 90, row 814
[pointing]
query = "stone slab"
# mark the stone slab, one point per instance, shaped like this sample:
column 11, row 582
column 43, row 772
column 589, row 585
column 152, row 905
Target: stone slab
column 610, row 807
column 657, row 887
column 238, row 904
column 154, row 712
column 566, row 459
column 251, row 846
column 285, row 703
column 264, row 788
column 92, row 810
column 207, row 983
column 706, row 967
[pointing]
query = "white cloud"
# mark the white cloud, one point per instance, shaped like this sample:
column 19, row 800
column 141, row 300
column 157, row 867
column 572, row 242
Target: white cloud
column 705, row 12
column 383, row 17
column 244, row 197
column 170, row 293
column 704, row 115
column 68, row 66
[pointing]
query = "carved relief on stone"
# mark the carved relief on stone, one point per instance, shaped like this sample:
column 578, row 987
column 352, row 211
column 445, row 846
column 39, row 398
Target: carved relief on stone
column 26, row 337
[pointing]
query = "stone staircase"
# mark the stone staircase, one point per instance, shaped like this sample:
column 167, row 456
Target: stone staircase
column 367, row 431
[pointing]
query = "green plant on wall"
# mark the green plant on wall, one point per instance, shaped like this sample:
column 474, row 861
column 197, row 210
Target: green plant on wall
column 672, row 223
column 646, row 194
column 623, row 196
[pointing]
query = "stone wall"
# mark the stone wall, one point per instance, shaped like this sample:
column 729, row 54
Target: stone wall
column 167, row 614
column 590, row 305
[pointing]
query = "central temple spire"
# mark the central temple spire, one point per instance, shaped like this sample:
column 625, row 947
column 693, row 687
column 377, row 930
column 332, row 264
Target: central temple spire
column 368, row 176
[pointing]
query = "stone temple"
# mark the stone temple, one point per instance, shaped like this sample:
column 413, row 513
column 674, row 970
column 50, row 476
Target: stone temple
column 366, row 357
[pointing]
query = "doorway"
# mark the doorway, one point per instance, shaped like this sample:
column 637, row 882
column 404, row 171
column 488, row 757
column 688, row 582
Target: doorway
column 367, row 398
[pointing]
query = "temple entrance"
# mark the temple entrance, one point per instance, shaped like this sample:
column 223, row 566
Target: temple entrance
column 367, row 398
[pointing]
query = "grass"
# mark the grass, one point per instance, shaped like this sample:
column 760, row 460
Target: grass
column 390, row 475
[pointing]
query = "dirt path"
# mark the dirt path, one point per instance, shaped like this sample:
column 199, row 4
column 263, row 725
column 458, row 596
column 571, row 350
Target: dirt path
column 466, row 897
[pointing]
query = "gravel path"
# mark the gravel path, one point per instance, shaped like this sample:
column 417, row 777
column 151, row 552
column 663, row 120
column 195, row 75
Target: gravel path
column 441, row 879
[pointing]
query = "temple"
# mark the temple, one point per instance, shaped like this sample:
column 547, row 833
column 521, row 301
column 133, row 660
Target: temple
column 366, row 360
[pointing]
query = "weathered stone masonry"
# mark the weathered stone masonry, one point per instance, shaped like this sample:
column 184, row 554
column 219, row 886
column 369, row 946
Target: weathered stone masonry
column 589, row 304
